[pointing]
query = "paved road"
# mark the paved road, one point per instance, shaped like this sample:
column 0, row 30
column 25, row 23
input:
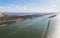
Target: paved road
column 31, row 28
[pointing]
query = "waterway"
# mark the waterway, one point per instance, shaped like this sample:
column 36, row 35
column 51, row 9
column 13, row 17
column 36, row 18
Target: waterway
column 31, row 28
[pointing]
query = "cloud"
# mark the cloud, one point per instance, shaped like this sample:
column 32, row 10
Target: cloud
column 33, row 6
column 17, row 8
column 10, row 9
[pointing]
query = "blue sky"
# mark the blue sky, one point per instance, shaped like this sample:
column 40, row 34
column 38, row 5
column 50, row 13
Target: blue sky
column 29, row 5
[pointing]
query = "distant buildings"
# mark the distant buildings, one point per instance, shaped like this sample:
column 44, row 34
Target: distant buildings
column 1, row 15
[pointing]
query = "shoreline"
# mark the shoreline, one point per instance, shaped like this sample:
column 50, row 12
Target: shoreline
column 6, row 22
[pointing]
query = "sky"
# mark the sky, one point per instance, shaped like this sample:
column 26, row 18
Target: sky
column 29, row 5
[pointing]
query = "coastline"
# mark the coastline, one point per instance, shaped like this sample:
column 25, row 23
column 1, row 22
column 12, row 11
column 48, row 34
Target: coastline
column 4, row 23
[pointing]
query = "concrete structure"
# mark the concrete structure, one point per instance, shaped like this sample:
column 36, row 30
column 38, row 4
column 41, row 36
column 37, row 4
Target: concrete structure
column 54, row 27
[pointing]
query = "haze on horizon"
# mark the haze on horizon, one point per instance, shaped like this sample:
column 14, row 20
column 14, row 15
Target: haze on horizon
column 29, row 5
